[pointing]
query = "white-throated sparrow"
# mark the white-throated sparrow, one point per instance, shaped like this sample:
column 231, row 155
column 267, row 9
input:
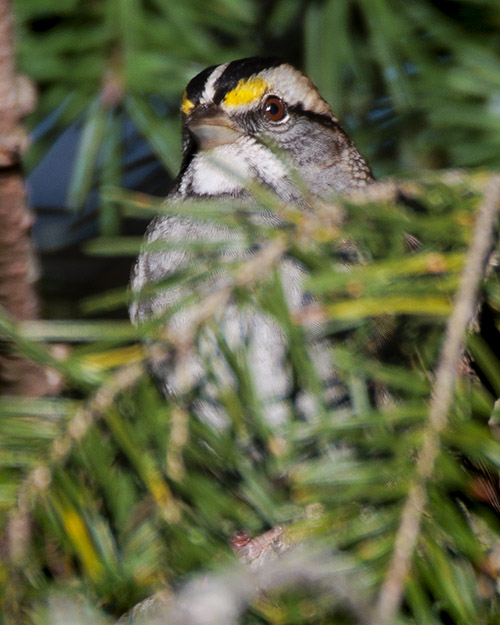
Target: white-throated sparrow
column 254, row 120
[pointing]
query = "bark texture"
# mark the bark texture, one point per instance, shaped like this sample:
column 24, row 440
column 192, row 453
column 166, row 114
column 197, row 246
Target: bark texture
column 17, row 260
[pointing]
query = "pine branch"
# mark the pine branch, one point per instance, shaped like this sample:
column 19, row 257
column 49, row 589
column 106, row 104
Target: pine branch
column 442, row 396
column 274, row 565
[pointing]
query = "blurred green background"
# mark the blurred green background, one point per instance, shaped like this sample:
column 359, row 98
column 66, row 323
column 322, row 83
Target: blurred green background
column 108, row 491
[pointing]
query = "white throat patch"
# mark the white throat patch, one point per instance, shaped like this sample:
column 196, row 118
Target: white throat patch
column 227, row 169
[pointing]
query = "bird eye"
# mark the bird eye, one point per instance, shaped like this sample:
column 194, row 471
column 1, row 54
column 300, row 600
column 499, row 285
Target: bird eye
column 274, row 108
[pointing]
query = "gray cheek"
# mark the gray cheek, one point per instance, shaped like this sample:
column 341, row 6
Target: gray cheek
column 302, row 141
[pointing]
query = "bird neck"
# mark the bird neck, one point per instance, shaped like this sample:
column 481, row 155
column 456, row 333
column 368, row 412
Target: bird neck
column 230, row 169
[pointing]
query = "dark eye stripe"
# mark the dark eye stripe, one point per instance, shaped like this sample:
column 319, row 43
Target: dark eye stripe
column 325, row 120
column 243, row 68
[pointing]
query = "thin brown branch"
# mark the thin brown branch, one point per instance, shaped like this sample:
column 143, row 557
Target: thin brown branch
column 391, row 594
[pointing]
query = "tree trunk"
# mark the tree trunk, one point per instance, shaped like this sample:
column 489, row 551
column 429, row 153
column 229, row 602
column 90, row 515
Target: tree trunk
column 17, row 261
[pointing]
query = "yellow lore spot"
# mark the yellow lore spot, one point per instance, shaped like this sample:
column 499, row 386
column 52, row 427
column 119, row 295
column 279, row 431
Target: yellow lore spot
column 186, row 104
column 246, row 91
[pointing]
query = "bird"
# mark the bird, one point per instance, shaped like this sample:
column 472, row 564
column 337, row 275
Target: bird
column 253, row 121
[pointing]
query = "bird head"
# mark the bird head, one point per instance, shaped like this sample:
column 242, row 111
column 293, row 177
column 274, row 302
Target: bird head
column 263, row 118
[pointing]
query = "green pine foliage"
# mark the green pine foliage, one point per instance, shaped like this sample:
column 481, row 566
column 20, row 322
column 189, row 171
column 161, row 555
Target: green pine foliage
column 109, row 492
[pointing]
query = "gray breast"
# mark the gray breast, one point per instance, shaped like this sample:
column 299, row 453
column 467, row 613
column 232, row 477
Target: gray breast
column 243, row 327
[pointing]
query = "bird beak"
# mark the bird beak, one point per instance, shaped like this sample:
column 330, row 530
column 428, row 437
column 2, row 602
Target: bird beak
column 211, row 127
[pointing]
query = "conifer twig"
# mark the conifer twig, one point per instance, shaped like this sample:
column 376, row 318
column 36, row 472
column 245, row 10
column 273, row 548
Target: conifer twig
column 391, row 594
